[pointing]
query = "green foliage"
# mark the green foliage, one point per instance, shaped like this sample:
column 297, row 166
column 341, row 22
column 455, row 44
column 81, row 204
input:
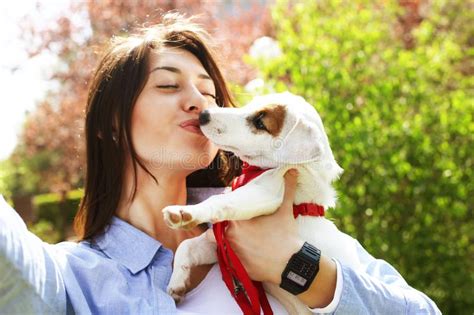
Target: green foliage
column 46, row 231
column 5, row 171
column 400, row 123
column 22, row 174
column 58, row 212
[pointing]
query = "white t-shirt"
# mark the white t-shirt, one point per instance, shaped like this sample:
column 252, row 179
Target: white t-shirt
column 211, row 297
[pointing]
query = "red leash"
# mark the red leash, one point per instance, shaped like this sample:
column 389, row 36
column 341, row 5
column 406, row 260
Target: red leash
column 249, row 294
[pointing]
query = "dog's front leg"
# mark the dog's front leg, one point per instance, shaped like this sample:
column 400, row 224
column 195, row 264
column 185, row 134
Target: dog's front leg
column 261, row 196
column 190, row 253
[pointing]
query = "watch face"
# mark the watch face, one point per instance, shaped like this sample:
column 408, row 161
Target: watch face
column 296, row 278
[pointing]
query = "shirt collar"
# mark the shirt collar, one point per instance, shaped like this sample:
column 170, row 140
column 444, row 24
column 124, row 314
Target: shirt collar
column 128, row 245
column 133, row 248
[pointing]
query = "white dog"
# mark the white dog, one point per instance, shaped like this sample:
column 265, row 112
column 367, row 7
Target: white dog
column 277, row 131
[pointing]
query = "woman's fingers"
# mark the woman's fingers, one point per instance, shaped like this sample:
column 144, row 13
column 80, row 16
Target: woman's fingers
column 291, row 179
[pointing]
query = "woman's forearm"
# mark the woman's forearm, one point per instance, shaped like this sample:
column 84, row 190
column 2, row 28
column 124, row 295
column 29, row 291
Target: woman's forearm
column 321, row 291
column 30, row 281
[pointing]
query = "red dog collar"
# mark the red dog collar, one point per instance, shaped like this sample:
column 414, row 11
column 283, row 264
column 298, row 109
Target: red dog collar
column 249, row 172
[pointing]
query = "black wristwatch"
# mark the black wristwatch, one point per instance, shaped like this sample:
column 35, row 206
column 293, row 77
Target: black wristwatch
column 301, row 269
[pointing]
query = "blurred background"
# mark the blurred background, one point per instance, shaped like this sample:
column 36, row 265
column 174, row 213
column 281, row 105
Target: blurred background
column 392, row 80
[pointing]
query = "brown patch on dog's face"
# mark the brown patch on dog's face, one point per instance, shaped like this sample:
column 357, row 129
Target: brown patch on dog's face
column 269, row 119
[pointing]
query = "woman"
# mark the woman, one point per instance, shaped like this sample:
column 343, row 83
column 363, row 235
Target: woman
column 144, row 150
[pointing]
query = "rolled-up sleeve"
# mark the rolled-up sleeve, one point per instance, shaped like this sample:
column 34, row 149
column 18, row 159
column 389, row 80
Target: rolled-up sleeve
column 375, row 288
column 30, row 280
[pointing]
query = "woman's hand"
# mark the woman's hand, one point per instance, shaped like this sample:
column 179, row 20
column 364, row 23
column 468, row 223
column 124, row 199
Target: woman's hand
column 266, row 243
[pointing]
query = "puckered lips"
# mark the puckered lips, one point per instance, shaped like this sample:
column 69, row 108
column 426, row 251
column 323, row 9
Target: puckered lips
column 191, row 125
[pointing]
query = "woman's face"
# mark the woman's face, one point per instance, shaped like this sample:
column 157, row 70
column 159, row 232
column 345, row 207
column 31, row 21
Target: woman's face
column 165, row 128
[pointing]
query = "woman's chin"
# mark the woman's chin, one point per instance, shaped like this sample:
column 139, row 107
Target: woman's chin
column 176, row 159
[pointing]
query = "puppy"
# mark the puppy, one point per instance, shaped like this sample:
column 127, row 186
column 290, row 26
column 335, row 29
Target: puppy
column 276, row 131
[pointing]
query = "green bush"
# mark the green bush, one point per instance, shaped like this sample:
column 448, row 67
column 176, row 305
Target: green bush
column 21, row 174
column 49, row 208
column 46, row 231
column 400, row 122
column 5, row 176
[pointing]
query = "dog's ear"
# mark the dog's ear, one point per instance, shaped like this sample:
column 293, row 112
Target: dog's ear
column 301, row 145
column 330, row 169
column 307, row 142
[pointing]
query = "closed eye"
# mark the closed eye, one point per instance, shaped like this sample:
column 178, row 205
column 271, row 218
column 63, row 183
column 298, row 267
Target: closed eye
column 209, row 94
column 167, row 86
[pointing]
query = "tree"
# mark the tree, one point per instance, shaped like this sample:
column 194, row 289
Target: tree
column 399, row 116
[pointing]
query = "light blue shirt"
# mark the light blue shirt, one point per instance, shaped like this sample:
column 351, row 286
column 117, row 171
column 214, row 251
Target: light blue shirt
column 126, row 272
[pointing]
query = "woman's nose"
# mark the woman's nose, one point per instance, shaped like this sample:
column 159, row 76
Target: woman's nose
column 196, row 102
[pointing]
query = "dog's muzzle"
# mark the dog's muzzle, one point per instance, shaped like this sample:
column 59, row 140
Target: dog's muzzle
column 204, row 117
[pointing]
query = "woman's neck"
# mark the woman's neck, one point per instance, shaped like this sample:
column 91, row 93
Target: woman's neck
column 144, row 211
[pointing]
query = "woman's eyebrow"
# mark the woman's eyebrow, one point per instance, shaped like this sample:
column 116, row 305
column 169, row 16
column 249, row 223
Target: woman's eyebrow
column 176, row 70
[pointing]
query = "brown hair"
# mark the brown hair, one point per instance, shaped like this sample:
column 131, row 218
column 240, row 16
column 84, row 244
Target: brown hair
column 115, row 87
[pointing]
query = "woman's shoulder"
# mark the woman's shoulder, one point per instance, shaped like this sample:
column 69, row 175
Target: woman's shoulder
column 83, row 264
column 94, row 271
column 77, row 248
column 78, row 255
column 121, row 249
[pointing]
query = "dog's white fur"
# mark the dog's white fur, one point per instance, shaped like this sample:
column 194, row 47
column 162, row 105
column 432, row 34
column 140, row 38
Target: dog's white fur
column 302, row 144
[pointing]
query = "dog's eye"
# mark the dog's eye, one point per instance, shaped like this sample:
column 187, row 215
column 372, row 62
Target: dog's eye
column 258, row 123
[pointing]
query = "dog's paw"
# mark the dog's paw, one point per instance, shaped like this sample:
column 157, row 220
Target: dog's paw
column 179, row 282
column 177, row 293
column 178, row 217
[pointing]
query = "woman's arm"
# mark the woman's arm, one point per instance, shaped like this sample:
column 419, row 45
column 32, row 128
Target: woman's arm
column 375, row 289
column 30, row 281
column 265, row 244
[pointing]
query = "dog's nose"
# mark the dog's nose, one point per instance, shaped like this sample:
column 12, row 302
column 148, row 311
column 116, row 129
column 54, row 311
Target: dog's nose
column 204, row 117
